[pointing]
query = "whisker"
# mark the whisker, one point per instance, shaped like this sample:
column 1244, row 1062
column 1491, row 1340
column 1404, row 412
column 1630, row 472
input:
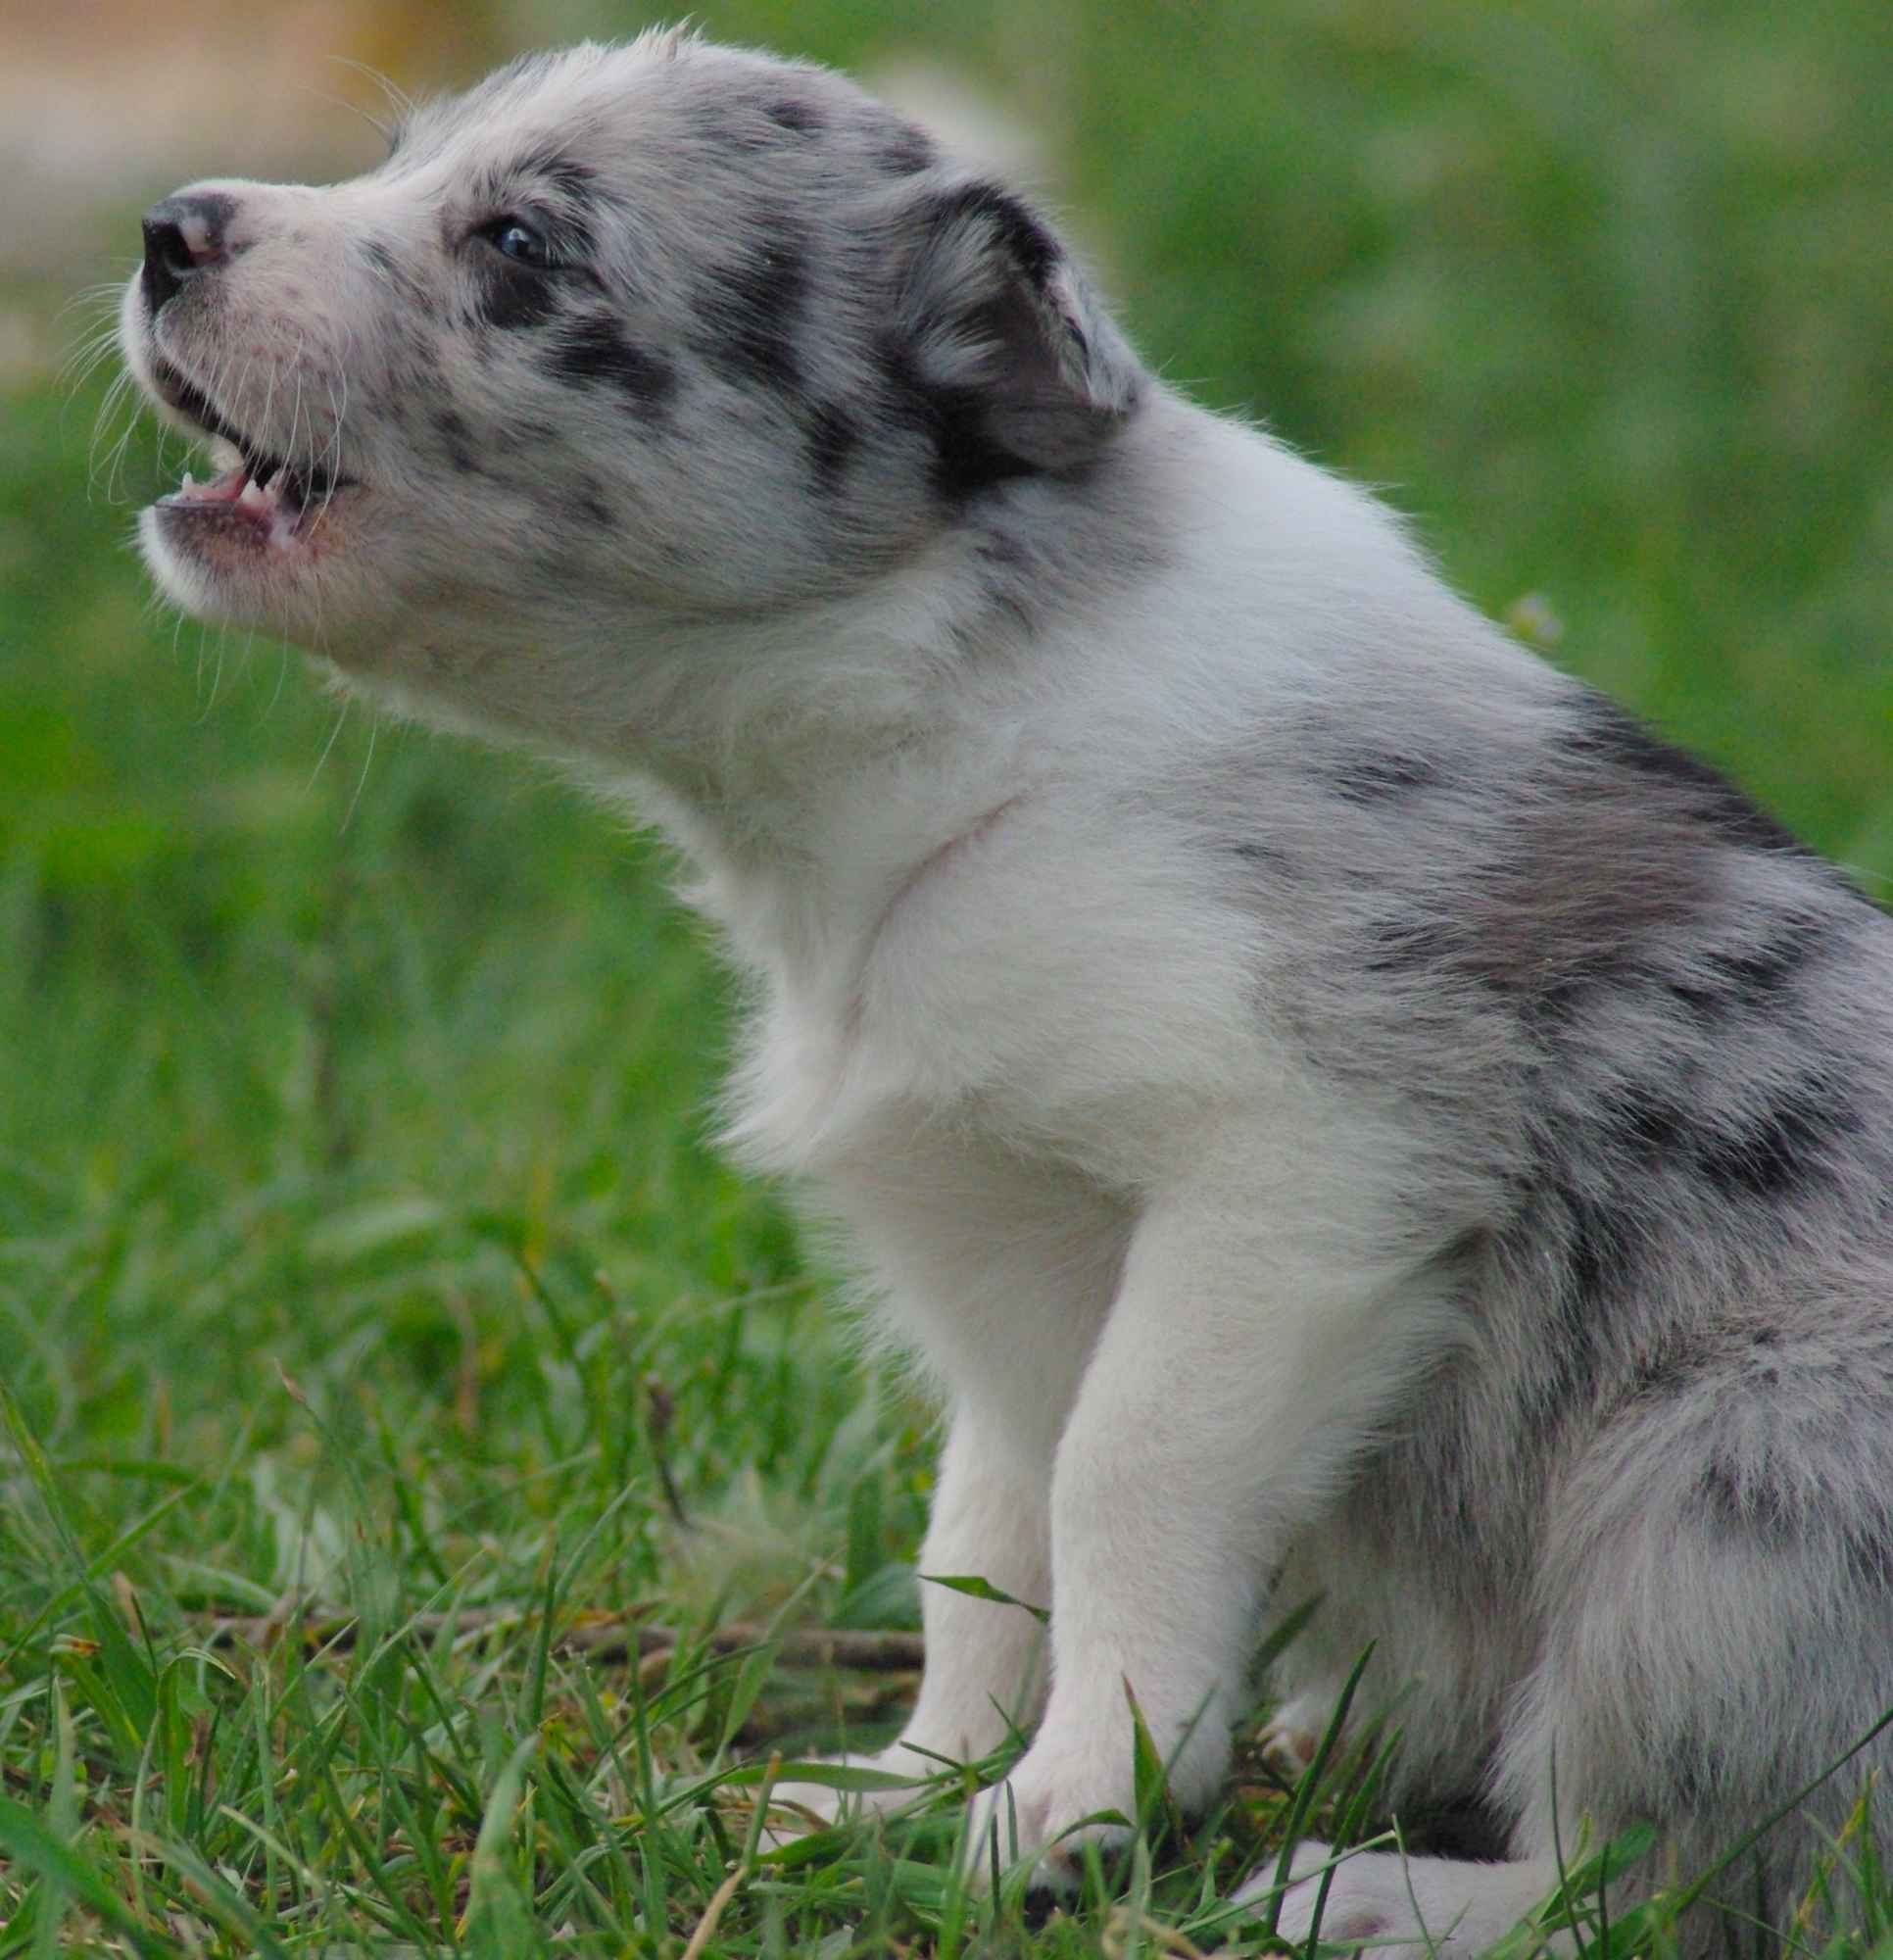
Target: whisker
column 86, row 353
column 217, row 672
column 347, row 702
column 120, row 396
column 338, row 411
column 341, row 101
column 393, row 94
column 104, row 290
column 282, row 674
column 114, row 397
column 361, row 782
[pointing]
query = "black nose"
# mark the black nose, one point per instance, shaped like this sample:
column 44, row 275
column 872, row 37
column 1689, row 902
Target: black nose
column 182, row 235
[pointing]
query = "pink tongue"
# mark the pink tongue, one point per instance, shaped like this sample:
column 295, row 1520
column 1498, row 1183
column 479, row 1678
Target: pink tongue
column 224, row 489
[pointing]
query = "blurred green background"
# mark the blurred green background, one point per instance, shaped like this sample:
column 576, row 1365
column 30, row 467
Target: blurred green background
column 349, row 1053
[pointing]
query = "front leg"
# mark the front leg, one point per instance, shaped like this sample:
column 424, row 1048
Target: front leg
column 1255, row 1343
column 984, row 1672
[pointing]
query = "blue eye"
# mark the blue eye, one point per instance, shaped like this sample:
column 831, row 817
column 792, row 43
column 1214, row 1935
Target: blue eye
column 513, row 238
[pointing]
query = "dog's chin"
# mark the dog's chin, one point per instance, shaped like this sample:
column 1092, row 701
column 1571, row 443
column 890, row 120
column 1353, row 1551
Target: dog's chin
column 228, row 554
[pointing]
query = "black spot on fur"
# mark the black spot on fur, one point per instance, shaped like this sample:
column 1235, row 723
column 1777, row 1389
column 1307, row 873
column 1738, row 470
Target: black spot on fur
column 592, row 349
column 1267, row 858
column 966, row 459
column 1754, row 979
column 1760, row 974
column 1383, row 778
column 1642, row 1123
column 832, row 440
column 803, row 117
column 754, row 310
column 458, row 438
column 736, row 125
column 1739, row 1502
column 1602, row 1252
column 1029, row 245
column 1616, row 741
column 1783, row 1148
column 379, row 256
column 1868, row 1549
column 587, row 506
column 1582, row 1254
column 510, row 296
column 907, row 153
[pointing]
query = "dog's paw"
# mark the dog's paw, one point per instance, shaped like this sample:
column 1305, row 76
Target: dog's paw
column 1044, row 1814
column 1359, row 1905
column 891, row 1780
column 1406, row 1908
column 1288, row 1748
column 1294, row 1734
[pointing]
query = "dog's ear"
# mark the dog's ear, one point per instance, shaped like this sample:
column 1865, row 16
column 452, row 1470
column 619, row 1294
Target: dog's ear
column 999, row 337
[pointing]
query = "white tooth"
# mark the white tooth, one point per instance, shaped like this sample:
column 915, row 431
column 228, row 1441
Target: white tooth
column 253, row 496
column 189, row 483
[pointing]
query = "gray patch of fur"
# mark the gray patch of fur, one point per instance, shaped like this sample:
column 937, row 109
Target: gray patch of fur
column 1640, row 1508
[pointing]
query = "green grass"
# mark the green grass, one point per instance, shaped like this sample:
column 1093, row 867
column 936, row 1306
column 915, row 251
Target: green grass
column 359, row 1236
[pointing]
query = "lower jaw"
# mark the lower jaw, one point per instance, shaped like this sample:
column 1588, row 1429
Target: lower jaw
column 225, row 566
column 265, row 524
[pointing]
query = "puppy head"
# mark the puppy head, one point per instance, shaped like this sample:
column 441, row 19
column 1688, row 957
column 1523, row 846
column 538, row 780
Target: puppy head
column 663, row 330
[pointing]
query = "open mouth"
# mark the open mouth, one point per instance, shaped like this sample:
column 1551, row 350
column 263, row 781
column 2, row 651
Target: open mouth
column 276, row 498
